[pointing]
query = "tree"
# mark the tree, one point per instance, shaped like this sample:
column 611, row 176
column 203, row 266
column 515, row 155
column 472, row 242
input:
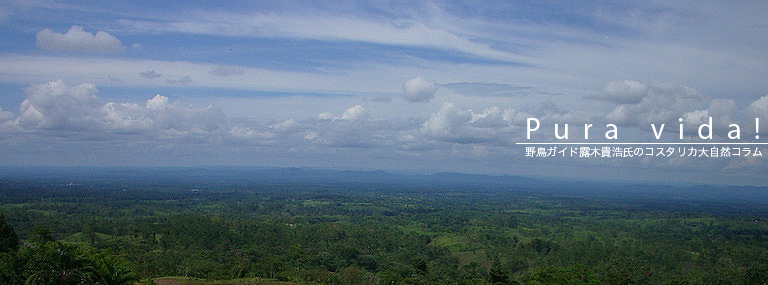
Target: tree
column 58, row 263
column 576, row 274
column 110, row 270
column 627, row 271
column 42, row 234
column 497, row 274
column 9, row 241
column 10, row 269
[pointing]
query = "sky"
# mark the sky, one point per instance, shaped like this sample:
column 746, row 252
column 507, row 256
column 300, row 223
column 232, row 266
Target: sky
column 403, row 86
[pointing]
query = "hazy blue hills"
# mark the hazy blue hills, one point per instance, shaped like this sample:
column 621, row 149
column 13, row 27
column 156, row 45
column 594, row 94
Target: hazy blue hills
column 234, row 178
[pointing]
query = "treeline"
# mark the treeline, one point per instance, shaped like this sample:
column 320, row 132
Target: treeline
column 44, row 260
column 348, row 236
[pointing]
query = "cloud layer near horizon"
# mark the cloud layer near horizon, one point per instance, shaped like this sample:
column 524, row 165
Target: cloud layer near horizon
column 59, row 109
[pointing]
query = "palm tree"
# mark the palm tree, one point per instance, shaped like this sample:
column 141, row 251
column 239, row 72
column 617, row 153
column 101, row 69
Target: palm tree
column 58, row 263
column 112, row 271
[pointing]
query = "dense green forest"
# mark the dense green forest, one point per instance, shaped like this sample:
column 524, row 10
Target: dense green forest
column 121, row 231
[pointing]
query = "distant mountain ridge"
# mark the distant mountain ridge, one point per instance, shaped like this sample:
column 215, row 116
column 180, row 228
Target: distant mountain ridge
column 407, row 182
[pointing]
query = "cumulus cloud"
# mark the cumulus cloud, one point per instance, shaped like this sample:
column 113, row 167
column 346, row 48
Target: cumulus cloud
column 462, row 126
column 182, row 120
column 126, row 117
column 352, row 113
column 419, row 90
column 78, row 40
column 267, row 134
column 724, row 112
column 158, row 102
column 646, row 104
column 651, row 105
column 759, row 107
column 150, row 74
column 325, row 116
column 494, row 125
column 492, row 117
column 353, row 128
column 446, row 122
column 696, row 117
column 56, row 106
column 361, row 133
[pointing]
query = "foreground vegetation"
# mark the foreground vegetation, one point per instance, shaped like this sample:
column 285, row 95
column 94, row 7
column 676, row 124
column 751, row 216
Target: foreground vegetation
column 360, row 234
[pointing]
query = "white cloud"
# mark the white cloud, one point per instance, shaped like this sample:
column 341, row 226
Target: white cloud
column 77, row 40
column 665, row 104
column 353, row 128
column 492, row 117
column 724, row 112
column 266, row 134
column 325, row 116
column 759, row 107
column 495, row 125
column 55, row 105
column 126, row 116
column 419, row 90
column 446, row 122
column 157, row 103
column 58, row 107
column 285, row 126
column 359, row 133
column 251, row 135
column 696, row 117
column 516, row 116
column 354, row 113
column 456, row 125
column 657, row 104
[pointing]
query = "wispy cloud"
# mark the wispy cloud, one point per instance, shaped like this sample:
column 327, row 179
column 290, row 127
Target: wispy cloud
column 398, row 32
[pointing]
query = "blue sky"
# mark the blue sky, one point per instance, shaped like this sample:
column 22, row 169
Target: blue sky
column 412, row 86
